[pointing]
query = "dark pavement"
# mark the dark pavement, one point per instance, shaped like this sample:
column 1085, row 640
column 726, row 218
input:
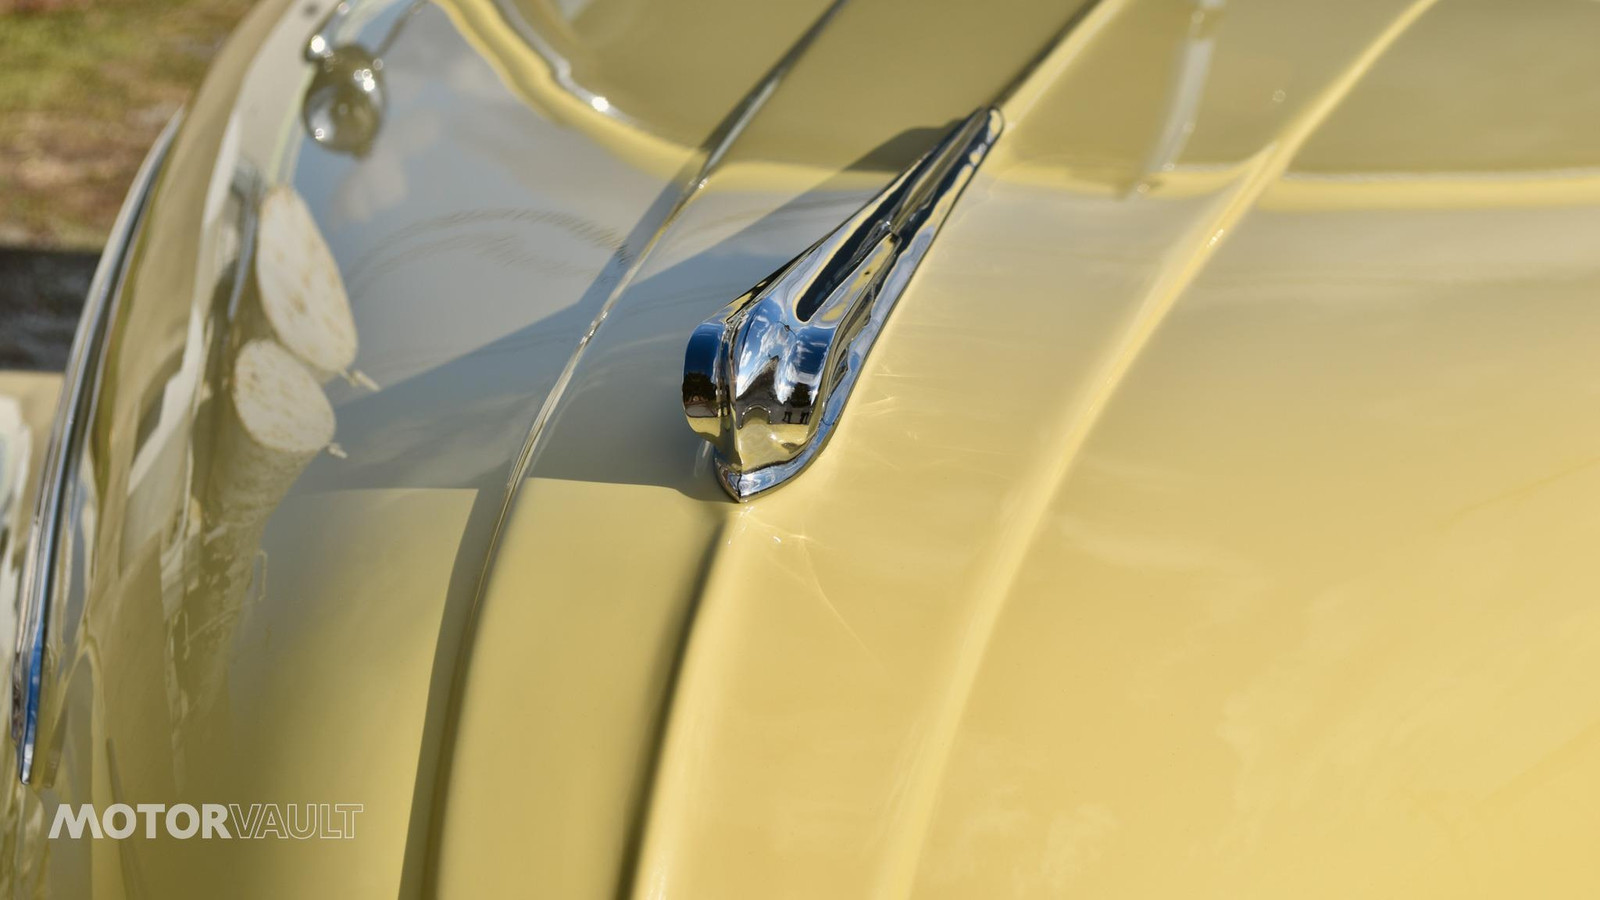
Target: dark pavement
column 41, row 292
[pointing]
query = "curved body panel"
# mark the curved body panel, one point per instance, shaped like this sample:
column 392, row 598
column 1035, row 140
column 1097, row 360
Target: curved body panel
column 1210, row 518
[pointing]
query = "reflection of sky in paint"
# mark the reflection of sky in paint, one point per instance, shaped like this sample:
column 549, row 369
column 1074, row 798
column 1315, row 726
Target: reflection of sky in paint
column 571, row 8
column 471, row 218
column 477, row 241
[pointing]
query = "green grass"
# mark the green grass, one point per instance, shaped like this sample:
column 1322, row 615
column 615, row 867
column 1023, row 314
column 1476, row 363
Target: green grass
column 83, row 92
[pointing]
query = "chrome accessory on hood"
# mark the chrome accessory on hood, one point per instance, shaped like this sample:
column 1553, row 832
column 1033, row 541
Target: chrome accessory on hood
column 55, row 508
column 344, row 103
column 766, row 379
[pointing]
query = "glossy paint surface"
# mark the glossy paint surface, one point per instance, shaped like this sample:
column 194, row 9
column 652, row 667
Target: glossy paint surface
column 1212, row 517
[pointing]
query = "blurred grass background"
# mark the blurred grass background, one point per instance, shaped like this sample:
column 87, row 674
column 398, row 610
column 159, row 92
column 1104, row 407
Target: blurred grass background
column 85, row 86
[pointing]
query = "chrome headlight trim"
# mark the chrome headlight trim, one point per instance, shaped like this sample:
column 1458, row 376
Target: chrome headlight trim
column 80, row 388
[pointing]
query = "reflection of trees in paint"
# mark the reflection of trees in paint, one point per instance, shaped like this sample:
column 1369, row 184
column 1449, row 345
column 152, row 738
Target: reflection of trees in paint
column 285, row 329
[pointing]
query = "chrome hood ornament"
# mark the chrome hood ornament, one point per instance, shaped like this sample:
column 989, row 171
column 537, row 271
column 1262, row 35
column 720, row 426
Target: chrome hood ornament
column 766, row 379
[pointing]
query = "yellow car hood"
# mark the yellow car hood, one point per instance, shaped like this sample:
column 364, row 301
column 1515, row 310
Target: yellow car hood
column 1213, row 518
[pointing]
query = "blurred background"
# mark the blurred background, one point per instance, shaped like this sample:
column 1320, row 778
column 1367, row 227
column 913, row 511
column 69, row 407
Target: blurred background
column 85, row 86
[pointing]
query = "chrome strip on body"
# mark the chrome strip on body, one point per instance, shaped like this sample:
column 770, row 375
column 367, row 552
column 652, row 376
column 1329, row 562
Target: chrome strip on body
column 74, row 411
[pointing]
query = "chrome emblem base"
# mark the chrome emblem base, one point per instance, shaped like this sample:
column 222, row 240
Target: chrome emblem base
column 766, row 379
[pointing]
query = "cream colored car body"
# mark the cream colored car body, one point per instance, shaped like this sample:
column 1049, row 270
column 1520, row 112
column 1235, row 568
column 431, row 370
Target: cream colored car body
column 1216, row 516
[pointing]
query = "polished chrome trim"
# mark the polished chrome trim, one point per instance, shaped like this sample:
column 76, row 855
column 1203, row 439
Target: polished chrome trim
column 344, row 103
column 766, row 379
column 79, row 390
